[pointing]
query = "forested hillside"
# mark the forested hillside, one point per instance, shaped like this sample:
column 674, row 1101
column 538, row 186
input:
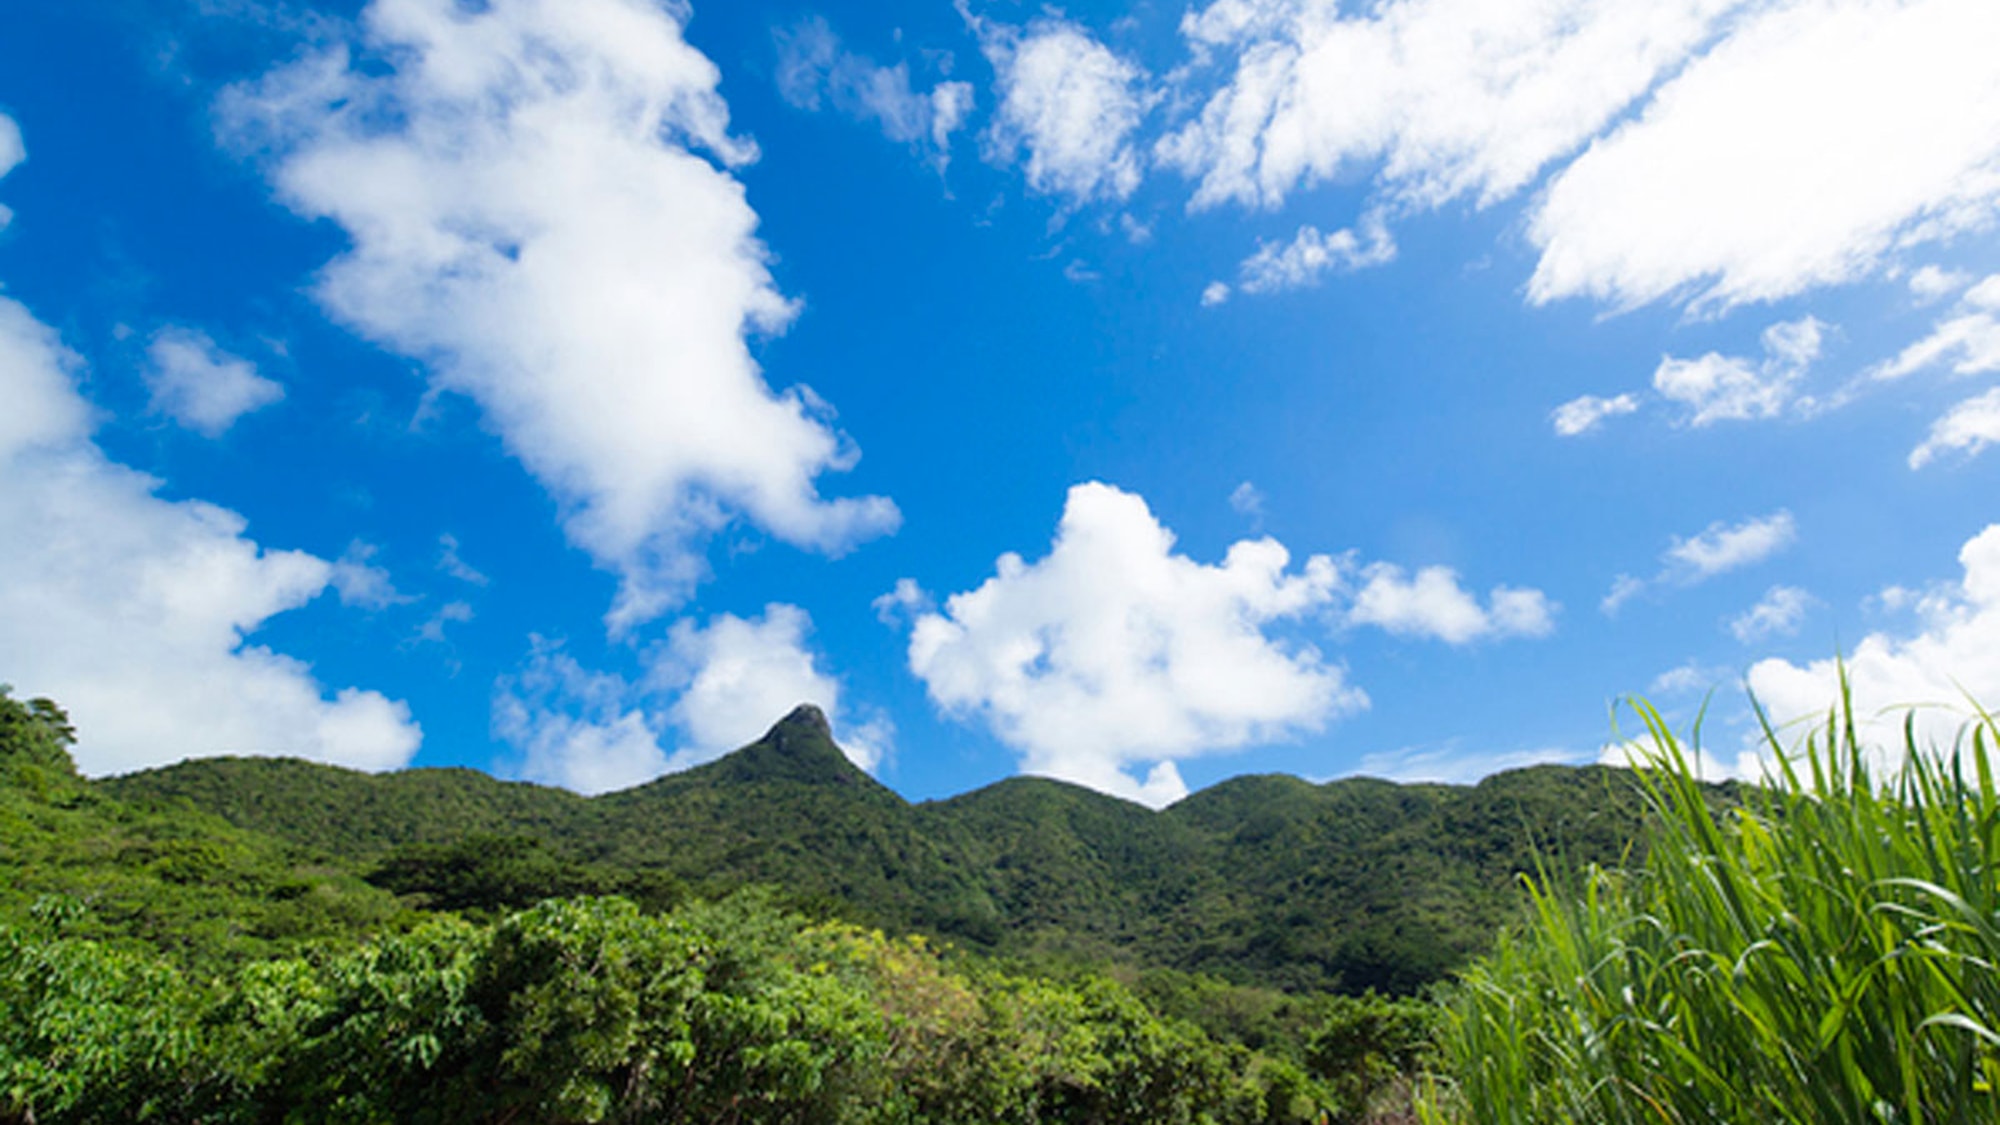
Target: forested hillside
column 1269, row 880
column 158, row 963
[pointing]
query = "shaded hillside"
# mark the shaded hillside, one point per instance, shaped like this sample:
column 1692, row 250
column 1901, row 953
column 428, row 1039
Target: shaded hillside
column 185, row 881
column 1270, row 880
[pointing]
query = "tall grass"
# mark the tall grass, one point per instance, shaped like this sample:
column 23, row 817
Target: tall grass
column 1824, row 951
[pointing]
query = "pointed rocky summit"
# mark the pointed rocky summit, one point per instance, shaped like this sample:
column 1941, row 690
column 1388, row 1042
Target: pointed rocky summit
column 799, row 748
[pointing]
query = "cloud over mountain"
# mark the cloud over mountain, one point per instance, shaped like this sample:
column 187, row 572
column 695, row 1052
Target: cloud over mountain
column 136, row 612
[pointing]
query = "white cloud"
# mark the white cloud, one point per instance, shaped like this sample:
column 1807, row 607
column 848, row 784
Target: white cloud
column 1114, row 654
column 1642, row 751
column 1956, row 652
column 1717, row 388
column 452, row 563
column 1246, row 500
column 1817, row 140
column 1310, row 255
column 1723, row 547
column 12, row 152
column 361, row 583
column 1452, row 97
column 903, row 603
column 1687, row 678
column 1450, row 764
column 531, row 214
column 1968, row 339
column 1778, row 612
column 738, row 676
column 815, row 70
column 1585, row 413
column 1623, row 589
column 1967, row 428
column 449, row 613
column 705, row 692
column 1929, row 283
column 201, row 386
column 1071, row 103
column 1718, row 548
column 1214, row 293
column 135, row 612
column 1433, row 604
column 573, row 727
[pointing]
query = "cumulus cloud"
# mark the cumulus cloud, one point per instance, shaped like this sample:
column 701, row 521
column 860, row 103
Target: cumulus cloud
column 815, row 71
column 1955, row 652
column 1931, row 282
column 706, row 691
column 1778, row 612
column 737, row 676
column 1450, row 97
column 539, row 208
column 1585, row 413
column 1114, row 657
column 1967, row 428
column 573, row 727
column 1716, row 549
column 1432, row 604
column 137, row 613
column 1815, row 141
column 1310, row 255
column 1723, row 547
column 1114, row 654
column 1069, row 102
column 199, row 385
column 1716, row 388
column 1968, row 340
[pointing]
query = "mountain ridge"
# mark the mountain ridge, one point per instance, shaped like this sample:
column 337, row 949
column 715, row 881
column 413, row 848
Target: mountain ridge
column 1269, row 879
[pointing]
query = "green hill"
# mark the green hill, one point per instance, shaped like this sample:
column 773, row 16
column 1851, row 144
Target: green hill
column 1263, row 880
column 185, row 881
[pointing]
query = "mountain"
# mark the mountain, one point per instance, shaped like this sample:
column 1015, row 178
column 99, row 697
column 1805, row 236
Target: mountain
column 1265, row 880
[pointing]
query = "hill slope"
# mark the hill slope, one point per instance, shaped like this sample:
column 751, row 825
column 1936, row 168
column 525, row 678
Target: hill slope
column 1271, row 880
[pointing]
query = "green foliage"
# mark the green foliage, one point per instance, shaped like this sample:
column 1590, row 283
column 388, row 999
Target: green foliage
column 1264, row 881
column 35, row 737
column 91, row 1033
column 187, row 883
column 1366, row 1045
column 484, row 874
column 1822, row 952
column 590, row 1010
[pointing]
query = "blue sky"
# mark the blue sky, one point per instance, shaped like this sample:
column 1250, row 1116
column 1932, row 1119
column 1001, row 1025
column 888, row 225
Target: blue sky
column 1139, row 395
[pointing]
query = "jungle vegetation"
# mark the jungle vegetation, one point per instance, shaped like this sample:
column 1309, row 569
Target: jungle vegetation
column 775, row 937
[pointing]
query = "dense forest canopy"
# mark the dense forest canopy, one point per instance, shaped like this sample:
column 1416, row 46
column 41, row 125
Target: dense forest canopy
column 1266, row 880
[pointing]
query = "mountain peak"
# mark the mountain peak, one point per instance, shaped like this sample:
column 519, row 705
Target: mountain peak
column 806, row 718
column 799, row 747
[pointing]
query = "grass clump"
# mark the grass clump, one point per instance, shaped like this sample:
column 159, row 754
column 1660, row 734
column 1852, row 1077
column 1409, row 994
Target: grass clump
column 1824, row 951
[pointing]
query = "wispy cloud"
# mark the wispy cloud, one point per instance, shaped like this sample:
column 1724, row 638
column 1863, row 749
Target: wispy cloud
column 816, row 71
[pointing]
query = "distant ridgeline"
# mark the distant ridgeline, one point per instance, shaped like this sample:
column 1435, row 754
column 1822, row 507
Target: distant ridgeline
column 1265, row 880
